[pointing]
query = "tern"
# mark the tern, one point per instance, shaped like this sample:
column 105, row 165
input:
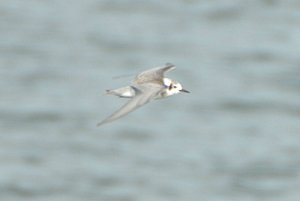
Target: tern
column 147, row 86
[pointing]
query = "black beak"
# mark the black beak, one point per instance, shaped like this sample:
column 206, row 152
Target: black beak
column 184, row 90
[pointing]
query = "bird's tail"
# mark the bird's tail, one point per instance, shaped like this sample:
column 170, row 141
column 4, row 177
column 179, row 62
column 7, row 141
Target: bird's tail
column 123, row 92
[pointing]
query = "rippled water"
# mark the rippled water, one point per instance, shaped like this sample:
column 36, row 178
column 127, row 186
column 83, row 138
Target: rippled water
column 235, row 137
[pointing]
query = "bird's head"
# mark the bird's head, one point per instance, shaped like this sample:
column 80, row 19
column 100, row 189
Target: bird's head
column 173, row 87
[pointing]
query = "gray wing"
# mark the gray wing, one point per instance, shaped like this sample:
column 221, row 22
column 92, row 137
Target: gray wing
column 155, row 75
column 144, row 95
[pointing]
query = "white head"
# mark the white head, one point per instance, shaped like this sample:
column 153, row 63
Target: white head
column 173, row 87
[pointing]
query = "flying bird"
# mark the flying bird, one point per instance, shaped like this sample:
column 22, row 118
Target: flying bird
column 147, row 86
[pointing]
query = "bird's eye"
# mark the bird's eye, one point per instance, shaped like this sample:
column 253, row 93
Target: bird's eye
column 175, row 86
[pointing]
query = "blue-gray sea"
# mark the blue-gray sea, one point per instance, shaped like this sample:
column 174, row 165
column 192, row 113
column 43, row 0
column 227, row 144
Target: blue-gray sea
column 236, row 136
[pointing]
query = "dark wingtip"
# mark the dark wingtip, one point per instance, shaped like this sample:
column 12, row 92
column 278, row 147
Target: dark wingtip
column 108, row 91
column 168, row 64
column 100, row 123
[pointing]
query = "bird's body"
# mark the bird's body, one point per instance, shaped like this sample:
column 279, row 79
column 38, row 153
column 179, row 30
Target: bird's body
column 147, row 86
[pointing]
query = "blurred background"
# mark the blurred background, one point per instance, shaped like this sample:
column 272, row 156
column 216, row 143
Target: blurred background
column 235, row 137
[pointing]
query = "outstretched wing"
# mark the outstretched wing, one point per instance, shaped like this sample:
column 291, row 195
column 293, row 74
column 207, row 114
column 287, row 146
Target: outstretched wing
column 144, row 95
column 154, row 75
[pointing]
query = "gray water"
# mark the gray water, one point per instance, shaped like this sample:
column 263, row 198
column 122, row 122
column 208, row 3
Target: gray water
column 235, row 137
